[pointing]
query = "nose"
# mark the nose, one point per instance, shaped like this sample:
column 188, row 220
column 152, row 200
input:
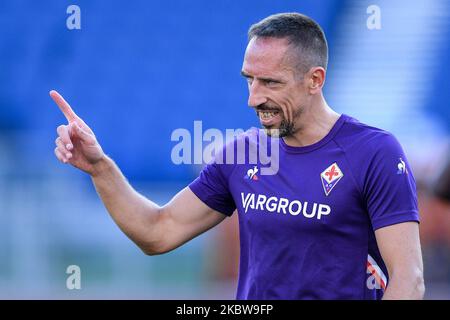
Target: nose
column 255, row 95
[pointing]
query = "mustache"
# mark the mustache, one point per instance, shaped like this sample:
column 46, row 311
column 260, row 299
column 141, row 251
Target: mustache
column 266, row 107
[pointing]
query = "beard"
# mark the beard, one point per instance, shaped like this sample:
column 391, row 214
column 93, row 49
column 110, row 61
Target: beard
column 285, row 128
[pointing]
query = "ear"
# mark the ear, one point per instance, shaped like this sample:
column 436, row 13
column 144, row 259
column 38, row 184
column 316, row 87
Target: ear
column 316, row 79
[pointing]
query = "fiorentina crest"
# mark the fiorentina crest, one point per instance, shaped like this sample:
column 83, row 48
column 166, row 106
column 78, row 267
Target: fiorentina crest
column 330, row 177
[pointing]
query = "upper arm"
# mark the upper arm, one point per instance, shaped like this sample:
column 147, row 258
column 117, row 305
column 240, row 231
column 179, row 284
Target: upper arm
column 399, row 245
column 184, row 218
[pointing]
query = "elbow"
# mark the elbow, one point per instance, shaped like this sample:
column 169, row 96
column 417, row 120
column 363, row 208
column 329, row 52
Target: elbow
column 153, row 249
column 417, row 283
column 407, row 286
column 155, row 242
column 419, row 287
column 150, row 251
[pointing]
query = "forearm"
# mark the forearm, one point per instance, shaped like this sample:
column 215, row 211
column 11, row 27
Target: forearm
column 135, row 215
column 405, row 288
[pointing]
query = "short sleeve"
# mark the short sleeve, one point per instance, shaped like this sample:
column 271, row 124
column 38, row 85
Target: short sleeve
column 389, row 185
column 211, row 187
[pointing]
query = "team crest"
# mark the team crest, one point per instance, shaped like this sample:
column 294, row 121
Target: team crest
column 330, row 177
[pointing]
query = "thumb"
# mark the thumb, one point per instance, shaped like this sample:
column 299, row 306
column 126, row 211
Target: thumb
column 82, row 134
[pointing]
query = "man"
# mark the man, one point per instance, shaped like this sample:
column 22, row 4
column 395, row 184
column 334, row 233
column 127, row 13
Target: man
column 339, row 220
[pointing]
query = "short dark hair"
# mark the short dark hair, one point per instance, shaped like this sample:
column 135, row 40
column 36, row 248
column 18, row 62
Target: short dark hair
column 302, row 32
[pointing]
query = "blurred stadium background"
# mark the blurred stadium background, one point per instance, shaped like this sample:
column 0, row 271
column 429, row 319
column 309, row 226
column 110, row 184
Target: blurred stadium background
column 138, row 70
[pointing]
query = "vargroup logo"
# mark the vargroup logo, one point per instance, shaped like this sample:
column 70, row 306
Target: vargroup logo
column 272, row 204
column 330, row 177
column 401, row 166
column 251, row 173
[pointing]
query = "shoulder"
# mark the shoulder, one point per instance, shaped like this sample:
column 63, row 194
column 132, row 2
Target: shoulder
column 360, row 139
column 372, row 153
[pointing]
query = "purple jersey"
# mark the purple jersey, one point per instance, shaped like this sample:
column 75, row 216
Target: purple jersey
column 307, row 232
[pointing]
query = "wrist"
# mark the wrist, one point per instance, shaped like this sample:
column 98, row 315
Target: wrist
column 101, row 166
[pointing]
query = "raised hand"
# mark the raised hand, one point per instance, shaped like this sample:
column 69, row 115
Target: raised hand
column 76, row 143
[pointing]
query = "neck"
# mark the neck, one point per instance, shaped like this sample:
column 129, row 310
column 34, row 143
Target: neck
column 314, row 123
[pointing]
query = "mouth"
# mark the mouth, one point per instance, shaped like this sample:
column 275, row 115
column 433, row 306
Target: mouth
column 268, row 118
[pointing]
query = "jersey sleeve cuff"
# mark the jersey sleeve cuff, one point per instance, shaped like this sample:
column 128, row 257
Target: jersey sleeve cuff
column 395, row 218
column 196, row 188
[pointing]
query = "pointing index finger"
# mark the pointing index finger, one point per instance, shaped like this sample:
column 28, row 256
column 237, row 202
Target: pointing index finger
column 63, row 106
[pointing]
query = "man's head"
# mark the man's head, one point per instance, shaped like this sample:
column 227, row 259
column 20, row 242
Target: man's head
column 285, row 65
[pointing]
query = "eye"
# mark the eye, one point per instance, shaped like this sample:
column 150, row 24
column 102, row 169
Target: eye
column 271, row 83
